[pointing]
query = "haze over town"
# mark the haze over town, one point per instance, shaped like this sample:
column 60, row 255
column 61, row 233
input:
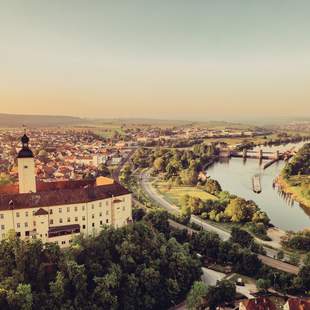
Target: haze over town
column 169, row 60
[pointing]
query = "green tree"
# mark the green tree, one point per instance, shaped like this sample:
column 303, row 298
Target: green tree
column 213, row 187
column 103, row 170
column 224, row 291
column 263, row 284
column 280, row 255
column 57, row 291
column 294, row 259
column 125, row 174
column 105, row 293
column 196, row 299
column 159, row 164
column 237, row 210
column 241, row 237
column 189, row 177
column 21, row 298
column 159, row 219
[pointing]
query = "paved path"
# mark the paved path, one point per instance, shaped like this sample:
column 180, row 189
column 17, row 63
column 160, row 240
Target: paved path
column 274, row 263
column 224, row 235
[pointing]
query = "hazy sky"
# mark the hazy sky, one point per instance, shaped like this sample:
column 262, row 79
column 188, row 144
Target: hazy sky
column 175, row 59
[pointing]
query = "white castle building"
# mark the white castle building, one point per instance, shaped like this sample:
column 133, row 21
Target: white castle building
column 58, row 211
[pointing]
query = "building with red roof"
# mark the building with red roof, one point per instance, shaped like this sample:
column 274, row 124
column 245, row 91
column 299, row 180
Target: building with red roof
column 57, row 211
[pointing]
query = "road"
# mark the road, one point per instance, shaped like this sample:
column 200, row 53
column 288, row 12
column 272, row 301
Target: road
column 275, row 264
column 154, row 195
column 117, row 171
column 224, row 235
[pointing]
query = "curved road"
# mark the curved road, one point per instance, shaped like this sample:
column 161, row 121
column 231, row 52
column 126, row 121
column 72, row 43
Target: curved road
column 152, row 192
column 224, row 235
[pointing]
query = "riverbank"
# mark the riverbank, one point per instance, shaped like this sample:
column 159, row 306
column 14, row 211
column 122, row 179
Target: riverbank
column 294, row 190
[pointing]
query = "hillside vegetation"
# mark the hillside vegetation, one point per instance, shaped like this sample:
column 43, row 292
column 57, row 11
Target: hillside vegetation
column 296, row 176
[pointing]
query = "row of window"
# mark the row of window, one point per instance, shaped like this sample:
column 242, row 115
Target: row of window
column 68, row 219
column 27, row 233
column 18, row 225
column 17, row 214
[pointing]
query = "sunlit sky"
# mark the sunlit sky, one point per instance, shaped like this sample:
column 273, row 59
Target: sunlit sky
column 172, row 59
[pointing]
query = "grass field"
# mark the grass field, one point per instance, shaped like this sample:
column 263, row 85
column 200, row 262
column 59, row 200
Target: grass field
column 175, row 193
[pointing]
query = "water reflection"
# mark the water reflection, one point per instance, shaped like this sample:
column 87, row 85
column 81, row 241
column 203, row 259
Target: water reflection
column 235, row 175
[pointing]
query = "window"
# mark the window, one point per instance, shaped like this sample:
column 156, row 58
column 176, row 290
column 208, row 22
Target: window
column 68, row 209
column 51, row 211
column 26, row 213
column 100, row 222
column 1, row 216
column 17, row 214
column 70, row 241
column 3, row 236
column 18, row 234
column 51, row 222
column 33, row 212
column 76, row 219
column 68, row 220
column 93, row 216
column 27, row 233
column 83, row 218
column 83, row 208
column 2, row 227
column 75, row 209
column 63, row 242
column 107, row 221
column 18, row 225
column 26, row 224
column 83, row 226
column 60, row 210
column 60, row 220
column 92, row 206
column 93, row 224
column 25, row 167
column 34, row 223
column 124, row 208
column 100, row 214
column 100, row 204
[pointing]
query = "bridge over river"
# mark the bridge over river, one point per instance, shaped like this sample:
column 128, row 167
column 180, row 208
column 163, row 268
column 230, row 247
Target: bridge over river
column 259, row 154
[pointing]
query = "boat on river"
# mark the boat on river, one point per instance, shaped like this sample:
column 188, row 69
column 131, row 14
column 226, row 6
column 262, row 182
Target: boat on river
column 256, row 184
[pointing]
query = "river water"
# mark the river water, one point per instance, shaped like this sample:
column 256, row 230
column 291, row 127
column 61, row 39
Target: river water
column 235, row 175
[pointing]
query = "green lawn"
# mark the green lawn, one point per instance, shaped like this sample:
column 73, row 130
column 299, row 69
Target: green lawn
column 177, row 192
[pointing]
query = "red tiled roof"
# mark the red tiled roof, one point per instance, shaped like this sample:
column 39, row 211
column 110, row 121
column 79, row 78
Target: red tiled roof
column 298, row 304
column 61, row 193
column 260, row 303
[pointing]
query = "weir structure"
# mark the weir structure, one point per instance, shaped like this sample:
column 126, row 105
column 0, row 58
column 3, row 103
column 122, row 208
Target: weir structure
column 260, row 154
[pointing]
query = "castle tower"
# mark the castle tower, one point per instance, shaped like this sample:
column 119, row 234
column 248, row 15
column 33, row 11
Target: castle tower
column 26, row 169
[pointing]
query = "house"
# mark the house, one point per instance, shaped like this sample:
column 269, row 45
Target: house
column 259, row 303
column 297, row 304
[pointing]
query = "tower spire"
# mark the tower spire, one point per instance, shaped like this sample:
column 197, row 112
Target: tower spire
column 25, row 152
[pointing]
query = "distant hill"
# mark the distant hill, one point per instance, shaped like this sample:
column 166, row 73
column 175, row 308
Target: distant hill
column 18, row 120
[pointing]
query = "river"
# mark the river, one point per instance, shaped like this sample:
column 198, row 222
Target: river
column 235, row 175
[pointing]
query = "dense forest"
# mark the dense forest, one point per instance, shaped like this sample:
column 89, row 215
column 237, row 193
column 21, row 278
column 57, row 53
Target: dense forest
column 134, row 267
column 145, row 265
